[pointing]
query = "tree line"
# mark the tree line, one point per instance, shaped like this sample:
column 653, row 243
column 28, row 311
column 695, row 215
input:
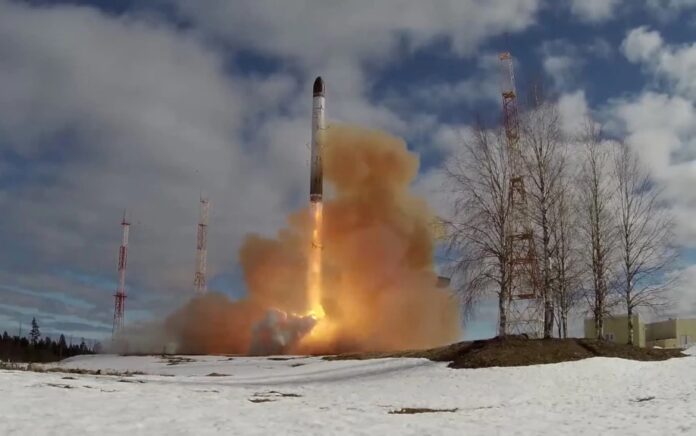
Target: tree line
column 602, row 232
column 37, row 349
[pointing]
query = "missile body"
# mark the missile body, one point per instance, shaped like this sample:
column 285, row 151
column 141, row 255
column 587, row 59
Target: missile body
column 316, row 177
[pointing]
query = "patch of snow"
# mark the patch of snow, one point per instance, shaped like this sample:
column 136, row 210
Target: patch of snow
column 306, row 396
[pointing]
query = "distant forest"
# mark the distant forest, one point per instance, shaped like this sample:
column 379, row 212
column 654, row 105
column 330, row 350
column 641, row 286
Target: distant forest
column 37, row 349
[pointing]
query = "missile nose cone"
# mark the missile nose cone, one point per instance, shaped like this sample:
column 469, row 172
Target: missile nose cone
column 318, row 86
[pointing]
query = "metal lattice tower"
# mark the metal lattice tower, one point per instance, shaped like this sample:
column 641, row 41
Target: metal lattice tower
column 524, row 306
column 199, row 281
column 120, row 296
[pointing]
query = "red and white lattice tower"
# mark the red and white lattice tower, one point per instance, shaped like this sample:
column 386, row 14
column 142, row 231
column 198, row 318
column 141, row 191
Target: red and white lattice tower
column 524, row 309
column 120, row 296
column 199, row 281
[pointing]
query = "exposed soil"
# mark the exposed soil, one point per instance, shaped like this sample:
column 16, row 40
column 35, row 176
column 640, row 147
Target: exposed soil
column 265, row 397
column 34, row 367
column 520, row 351
column 176, row 360
column 277, row 394
column 413, row 411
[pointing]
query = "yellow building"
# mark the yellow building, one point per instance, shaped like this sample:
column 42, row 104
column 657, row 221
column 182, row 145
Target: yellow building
column 672, row 333
column 616, row 330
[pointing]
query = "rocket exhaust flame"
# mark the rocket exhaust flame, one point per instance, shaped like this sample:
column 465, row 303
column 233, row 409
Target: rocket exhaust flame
column 316, row 309
column 349, row 273
column 278, row 332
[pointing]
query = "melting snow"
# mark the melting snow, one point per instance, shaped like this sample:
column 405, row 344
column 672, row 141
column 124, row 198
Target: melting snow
column 205, row 395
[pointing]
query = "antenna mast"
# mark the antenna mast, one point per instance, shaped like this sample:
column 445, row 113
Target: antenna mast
column 120, row 296
column 199, row 281
column 523, row 305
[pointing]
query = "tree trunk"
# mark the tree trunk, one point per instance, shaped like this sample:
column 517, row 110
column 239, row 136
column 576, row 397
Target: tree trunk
column 548, row 318
column 560, row 329
column 630, row 325
column 502, row 312
column 548, row 297
column 599, row 325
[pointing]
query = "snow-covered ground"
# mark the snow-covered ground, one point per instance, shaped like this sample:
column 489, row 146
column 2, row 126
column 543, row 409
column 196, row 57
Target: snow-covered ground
column 305, row 396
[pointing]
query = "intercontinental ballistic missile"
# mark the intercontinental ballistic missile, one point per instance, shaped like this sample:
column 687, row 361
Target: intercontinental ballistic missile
column 316, row 177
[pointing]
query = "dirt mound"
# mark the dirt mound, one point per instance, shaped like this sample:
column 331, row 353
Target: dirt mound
column 520, row 351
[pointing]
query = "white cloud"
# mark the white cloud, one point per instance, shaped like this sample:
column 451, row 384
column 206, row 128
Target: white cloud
column 684, row 295
column 562, row 60
column 115, row 112
column 641, row 44
column 669, row 9
column 431, row 185
column 469, row 91
column 600, row 48
column 654, row 111
column 574, row 111
column 109, row 111
column 450, row 138
column 312, row 31
column 597, row 11
column 594, row 10
column 482, row 85
column 560, row 68
column 671, row 4
column 662, row 128
column 672, row 63
column 346, row 42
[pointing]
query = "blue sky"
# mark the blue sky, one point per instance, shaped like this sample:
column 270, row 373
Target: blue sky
column 113, row 104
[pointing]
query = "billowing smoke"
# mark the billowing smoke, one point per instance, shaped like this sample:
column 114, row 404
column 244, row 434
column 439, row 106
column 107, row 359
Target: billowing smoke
column 279, row 332
column 379, row 288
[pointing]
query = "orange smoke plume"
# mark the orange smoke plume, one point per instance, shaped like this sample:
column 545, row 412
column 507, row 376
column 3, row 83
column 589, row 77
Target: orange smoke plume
column 378, row 289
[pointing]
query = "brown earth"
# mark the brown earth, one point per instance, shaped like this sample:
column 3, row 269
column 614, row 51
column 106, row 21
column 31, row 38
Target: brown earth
column 413, row 411
column 520, row 351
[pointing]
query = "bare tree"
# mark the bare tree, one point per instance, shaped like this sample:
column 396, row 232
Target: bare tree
column 596, row 221
column 477, row 230
column 645, row 237
column 565, row 259
column 542, row 142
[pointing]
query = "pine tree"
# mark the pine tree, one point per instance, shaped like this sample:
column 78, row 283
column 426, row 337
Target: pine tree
column 62, row 345
column 34, row 334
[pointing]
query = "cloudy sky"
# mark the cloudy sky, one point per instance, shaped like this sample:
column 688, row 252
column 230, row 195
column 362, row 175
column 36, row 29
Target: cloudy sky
column 107, row 104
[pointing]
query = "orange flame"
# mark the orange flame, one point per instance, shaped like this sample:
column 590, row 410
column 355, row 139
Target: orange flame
column 316, row 309
column 360, row 263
